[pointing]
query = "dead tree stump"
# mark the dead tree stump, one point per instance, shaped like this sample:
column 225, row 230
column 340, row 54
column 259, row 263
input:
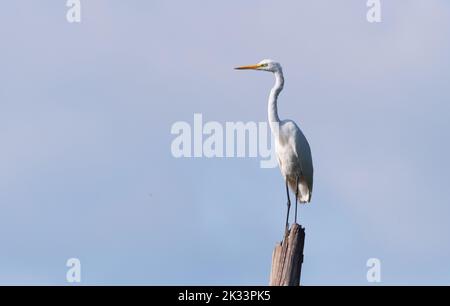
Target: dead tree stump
column 287, row 258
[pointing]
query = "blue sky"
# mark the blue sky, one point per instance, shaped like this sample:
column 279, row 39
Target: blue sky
column 86, row 168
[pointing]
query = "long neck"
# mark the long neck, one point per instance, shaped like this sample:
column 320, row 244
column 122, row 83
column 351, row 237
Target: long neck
column 272, row 107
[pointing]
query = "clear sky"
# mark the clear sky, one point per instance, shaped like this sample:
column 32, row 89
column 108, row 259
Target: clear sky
column 86, row 169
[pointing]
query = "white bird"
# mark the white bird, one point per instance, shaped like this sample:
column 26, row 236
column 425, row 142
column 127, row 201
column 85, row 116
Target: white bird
column 291, row 146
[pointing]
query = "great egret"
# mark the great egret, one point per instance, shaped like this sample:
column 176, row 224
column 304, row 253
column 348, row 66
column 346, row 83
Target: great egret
column 291, row 146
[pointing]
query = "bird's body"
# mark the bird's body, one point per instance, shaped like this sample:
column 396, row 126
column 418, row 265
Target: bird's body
column 294, row 159
column 291, row 146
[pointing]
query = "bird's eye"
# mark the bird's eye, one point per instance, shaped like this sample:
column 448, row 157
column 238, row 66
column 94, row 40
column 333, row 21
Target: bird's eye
column 264, row 65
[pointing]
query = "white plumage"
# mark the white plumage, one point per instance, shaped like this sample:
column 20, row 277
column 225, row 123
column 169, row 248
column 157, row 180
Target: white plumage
column 294, row 159
column 292, row 148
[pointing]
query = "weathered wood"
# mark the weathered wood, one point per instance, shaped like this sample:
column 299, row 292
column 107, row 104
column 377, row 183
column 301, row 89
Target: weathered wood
column 287, row 258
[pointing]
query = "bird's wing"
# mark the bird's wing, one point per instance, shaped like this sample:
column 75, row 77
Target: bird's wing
column 301, row 146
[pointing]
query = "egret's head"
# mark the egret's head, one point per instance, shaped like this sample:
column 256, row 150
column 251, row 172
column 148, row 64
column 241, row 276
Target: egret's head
column 264, row 65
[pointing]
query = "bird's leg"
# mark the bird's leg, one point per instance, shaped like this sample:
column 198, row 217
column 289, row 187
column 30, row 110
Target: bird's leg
column 296, row 200
column 288, row 206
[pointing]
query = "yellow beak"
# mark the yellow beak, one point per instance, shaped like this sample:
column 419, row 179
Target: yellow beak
column 248, row 67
